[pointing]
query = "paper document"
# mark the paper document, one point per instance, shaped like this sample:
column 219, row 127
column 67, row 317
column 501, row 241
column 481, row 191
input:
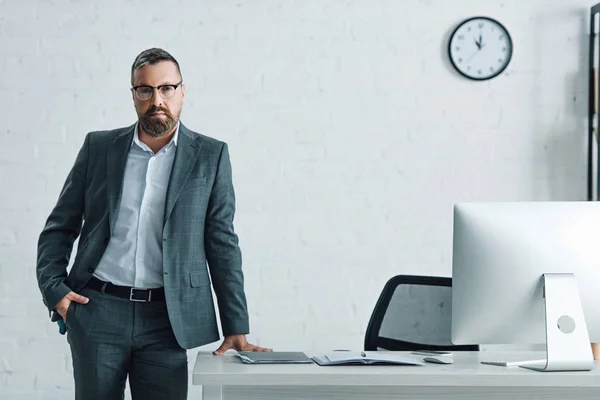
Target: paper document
column 365, row 358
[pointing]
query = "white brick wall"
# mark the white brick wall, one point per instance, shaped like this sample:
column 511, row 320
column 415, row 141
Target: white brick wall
column 351, row 137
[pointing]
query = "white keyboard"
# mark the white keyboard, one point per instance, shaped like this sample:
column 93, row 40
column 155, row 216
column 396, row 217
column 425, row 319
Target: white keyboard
column 515, row 363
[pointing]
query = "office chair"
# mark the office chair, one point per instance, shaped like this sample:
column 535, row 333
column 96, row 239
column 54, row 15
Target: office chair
column 413, row 313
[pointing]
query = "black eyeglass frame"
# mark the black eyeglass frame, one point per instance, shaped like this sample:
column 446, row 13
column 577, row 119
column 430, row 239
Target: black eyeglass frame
column 174, row 86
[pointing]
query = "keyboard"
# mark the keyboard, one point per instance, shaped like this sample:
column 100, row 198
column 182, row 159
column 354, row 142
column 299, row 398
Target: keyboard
column 515, row 363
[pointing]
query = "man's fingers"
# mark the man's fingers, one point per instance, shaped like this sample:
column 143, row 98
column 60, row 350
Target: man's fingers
column 252, row 347
column 77, row 298
column 222, row 349
column 226, row 345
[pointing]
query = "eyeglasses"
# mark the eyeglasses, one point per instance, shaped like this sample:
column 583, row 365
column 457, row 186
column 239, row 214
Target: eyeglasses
column 144, row 92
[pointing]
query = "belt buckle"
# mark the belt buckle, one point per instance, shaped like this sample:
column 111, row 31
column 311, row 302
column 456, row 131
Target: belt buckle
column 140, row 300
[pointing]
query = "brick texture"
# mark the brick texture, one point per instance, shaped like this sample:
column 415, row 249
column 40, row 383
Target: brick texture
column 351, row 138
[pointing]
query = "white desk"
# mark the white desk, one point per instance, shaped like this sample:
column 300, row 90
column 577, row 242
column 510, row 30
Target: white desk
column 226, row 378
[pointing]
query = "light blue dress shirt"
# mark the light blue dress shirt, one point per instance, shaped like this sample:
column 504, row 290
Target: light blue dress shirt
column 133, row 256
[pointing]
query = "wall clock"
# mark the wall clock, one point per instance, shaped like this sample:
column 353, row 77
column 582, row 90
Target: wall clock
column 480, row 48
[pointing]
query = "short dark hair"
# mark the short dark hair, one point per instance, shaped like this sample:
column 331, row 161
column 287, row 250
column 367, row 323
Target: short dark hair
column 151, row 57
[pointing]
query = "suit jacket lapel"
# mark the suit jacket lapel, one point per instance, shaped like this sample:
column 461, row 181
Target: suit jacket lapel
column 116, row 159
column 188, row 148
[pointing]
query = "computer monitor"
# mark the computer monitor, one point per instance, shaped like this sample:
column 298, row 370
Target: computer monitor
column 528, row 272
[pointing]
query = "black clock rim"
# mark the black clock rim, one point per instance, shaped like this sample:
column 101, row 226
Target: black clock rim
column 460, row 25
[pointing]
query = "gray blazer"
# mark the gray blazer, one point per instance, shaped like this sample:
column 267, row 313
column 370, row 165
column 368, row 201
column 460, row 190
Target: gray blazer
column 198, row 228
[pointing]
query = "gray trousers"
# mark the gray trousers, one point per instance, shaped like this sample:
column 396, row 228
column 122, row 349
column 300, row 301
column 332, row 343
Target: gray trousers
column 112, row 338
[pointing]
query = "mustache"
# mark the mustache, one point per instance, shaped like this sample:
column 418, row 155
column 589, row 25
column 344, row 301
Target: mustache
column 154, row 109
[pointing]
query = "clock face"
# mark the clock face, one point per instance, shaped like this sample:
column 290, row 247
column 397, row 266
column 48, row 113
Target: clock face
column 480, row 48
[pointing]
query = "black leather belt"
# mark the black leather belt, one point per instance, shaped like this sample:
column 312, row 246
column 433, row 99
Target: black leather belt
column 125, row 292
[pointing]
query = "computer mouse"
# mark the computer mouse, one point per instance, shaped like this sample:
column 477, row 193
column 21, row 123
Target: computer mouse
column 438, row 360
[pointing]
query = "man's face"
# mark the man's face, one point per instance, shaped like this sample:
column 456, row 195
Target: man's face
column 158, row 115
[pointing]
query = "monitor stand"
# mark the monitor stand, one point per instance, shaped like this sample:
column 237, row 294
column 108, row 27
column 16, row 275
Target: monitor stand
column 568, row 346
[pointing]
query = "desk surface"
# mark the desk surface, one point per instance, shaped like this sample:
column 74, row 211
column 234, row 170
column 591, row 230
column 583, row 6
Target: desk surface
column 467, row 371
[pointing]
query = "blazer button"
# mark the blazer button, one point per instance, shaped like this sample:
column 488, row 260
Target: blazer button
column 90, row 270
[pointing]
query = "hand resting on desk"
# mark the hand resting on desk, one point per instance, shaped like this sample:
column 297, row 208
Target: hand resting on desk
column 239, row 343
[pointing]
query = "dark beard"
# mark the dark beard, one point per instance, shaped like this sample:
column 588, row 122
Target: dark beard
column 157, row 126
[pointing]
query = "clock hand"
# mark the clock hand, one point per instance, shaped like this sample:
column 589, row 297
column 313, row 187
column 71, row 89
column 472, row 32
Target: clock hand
column 474, row 54
column 479, row 42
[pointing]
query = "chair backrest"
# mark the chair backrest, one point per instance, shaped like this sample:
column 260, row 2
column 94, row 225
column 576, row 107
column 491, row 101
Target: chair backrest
column 413, row 313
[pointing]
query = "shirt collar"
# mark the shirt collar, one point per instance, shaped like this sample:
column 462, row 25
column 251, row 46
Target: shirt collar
column 136, row 137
